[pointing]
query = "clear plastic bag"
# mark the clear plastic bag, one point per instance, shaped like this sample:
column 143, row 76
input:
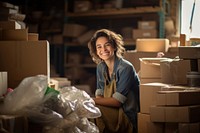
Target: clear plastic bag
column 86, row 126
column 47, row 117
column 79, row 102
column 29, row 93
column 43, row 115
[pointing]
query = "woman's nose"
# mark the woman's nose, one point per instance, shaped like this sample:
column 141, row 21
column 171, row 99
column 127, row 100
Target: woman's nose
column 104, row 47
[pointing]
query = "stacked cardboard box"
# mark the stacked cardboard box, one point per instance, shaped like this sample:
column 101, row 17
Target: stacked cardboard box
column 152, row 45
column 166, row 108
column 11, row 30
column 164, row 70
column 167, row 104
column 9, row 11
column 146, row 29
column 134, row 56
column 147, row 99
column 21, row 53
column 72, row 31
column 177, row 108
column 150, row 70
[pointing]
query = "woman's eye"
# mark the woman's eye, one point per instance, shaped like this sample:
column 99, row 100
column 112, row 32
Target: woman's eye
column 107, row 44
column 98, row 47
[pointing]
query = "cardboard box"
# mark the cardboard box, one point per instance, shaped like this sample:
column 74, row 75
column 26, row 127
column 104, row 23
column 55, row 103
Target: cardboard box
column 146, row 126
column 178, row 97
column 133, row 56
column 15, row 35
column 152, row 45
column 82, row 5
column 9, row 25
column 73, row 30
column 146, row 25
column 140, row 33
column 33, row 37
column 142, row 122
column 174, row 71
column 189, row 127
column 175, row 113
column 59, row 82
column 23, row 24
column 148, row 94
column 179, row 69
column 22, row 59
column 165, row 69
column 150, row 67
column 189, row 52
column 3, row 83
column 170, row 127
column 19, row 17
column 84, row 38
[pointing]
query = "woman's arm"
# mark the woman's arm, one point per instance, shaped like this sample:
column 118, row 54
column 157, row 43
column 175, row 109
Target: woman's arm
column 107, row 101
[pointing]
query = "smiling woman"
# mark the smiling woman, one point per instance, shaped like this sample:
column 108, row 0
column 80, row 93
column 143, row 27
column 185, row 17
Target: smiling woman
column 117, row 92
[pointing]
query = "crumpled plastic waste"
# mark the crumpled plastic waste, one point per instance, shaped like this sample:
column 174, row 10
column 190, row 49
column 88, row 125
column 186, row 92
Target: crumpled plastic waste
column 63, row 111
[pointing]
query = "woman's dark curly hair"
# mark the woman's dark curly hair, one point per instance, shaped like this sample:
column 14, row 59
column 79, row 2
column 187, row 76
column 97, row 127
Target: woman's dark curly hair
column 115, row 39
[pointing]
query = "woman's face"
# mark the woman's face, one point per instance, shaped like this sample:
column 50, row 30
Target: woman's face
column 104, row 48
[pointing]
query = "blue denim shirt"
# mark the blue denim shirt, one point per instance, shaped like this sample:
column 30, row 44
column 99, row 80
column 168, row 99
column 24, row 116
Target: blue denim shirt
column 127, row 86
